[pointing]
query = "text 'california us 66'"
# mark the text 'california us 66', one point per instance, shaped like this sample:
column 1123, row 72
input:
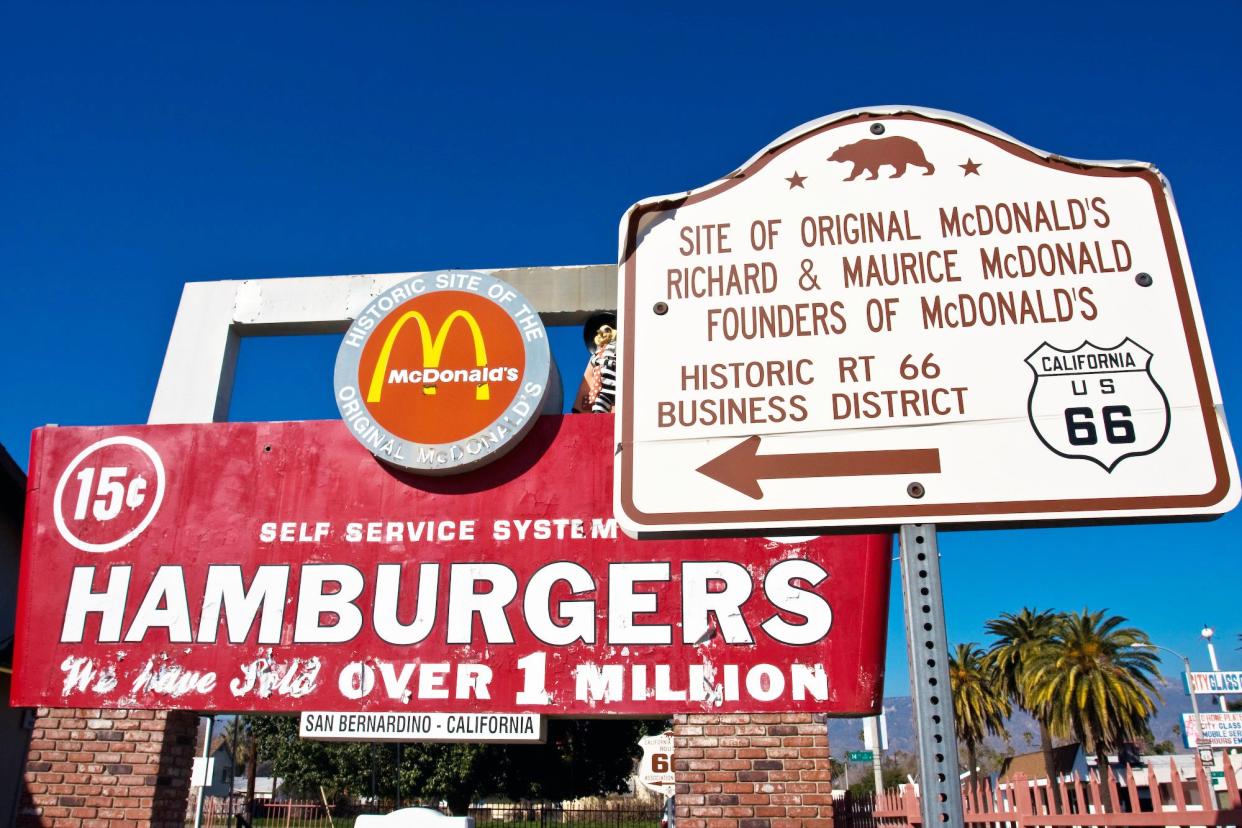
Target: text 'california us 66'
column 896, row 315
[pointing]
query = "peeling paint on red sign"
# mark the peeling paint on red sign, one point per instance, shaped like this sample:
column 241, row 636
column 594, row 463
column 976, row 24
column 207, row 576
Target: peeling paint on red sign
column 279, row 567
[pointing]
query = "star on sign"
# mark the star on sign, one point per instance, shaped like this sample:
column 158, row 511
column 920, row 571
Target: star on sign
column 971, row 167
column 796, row 180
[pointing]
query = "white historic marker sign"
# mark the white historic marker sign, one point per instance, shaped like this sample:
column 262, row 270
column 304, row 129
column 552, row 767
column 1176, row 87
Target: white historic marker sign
column 655, row 768
column 899, row 315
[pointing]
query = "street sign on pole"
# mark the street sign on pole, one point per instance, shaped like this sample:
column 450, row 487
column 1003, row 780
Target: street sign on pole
column 1218, row 730
column 898, row 315
column 986, row 333
column 860, row 756
column 1215, row 683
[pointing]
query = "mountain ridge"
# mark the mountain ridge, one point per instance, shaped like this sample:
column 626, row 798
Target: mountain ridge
column 845, row 734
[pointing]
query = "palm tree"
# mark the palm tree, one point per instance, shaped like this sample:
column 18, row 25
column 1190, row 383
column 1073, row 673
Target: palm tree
column 1096, row 680
column 1019, row 637
column 979, row 704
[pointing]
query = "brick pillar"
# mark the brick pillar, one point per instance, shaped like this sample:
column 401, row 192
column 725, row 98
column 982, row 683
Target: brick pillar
column 768, row 770
column 108, row 769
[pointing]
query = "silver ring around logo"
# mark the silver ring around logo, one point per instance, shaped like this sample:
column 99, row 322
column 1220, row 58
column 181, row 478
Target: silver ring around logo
column 491, row 441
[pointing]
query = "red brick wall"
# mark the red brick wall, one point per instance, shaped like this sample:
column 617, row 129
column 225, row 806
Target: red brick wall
column 752, row 771
column 108, row 769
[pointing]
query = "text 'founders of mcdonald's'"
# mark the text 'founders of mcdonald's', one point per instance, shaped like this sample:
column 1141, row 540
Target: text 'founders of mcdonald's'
column 443, row 372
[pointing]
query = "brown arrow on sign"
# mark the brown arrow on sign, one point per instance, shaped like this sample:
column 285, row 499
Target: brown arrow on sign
column 742, row 467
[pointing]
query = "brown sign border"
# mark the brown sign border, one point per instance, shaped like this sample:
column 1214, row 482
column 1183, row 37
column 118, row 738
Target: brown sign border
column 878, row 515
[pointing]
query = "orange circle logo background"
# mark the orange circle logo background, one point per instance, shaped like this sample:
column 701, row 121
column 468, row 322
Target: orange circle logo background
column 454, row 410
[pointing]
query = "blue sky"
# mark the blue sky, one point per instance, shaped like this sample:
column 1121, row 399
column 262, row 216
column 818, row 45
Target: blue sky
column 143, row 145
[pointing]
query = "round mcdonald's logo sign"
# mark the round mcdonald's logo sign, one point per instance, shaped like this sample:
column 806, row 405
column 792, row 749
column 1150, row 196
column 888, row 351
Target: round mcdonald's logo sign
column 443, row 372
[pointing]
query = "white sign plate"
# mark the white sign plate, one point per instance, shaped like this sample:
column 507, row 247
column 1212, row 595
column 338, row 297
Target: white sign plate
column 896, row 315
column 1219, row 730
column 422, row 727
column 869, row 732
column 655, row 769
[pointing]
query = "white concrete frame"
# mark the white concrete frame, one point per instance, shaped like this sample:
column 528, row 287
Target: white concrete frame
column 196, row 382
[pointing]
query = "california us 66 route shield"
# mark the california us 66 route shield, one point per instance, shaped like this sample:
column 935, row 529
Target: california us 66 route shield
column 897, row 315
column 1097, row 404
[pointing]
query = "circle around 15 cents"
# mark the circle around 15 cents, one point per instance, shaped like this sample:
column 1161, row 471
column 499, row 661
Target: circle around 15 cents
column 57, row 508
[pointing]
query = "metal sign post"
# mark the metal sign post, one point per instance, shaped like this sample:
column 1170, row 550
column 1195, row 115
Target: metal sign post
column 878, row 771
column 940, row 795
column 202, row 783
column 874, row 744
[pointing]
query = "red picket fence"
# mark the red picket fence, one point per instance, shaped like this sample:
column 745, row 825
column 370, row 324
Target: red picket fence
column 218, row 812
column 1024, row 803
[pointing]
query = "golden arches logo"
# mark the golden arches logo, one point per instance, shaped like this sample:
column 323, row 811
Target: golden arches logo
column 433, row 348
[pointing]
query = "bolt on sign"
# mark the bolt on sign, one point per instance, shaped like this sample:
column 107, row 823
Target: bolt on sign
column 278, row 567
column 897, row 315
column 443, row 372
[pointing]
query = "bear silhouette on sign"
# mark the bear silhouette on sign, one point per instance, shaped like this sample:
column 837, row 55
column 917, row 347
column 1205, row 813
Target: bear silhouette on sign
column 872, row 153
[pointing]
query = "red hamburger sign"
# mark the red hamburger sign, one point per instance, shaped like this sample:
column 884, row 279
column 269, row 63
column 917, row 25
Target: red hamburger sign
column 287, row 571
column 443, row 372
